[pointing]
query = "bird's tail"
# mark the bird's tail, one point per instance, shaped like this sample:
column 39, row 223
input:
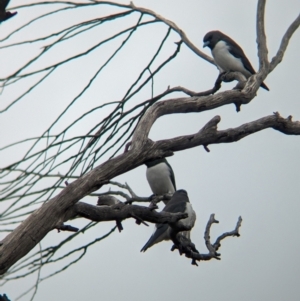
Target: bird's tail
column 263, row 85
column 148, row 244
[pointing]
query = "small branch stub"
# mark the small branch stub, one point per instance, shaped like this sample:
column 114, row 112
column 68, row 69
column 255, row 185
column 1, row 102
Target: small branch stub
column 187, row 247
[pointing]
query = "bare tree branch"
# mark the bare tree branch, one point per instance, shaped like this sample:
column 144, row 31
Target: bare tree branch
column 284, row 43
column 212, row 136
column 133, row 8
column 187, row 247
column 58, row 203
column 123, row 211
column 52, row 213
column 175, row 28
column 194, row 104
column 235, row 232
column 261, row 36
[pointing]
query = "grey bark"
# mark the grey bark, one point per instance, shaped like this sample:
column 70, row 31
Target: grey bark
column 64, row 206
column 19, row 242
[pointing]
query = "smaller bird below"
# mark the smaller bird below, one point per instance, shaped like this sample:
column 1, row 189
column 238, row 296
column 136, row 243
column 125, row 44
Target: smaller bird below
column 5, row 15
column 228, row 55
column 178, row 203
column 160, row 176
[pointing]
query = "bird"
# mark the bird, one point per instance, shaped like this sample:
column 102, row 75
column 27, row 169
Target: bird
column 4, row 298
column 160, row 176
column 178, row 203
column 5, row 15
column 228, row 55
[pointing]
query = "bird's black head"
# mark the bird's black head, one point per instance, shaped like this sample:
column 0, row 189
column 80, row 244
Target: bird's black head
column 181, row 191
column 180, row 195
column 212, row 38
column 7, row 16
column 154, row 162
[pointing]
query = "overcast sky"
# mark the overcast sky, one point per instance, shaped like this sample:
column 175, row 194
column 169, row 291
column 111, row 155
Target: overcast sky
column 257, row 177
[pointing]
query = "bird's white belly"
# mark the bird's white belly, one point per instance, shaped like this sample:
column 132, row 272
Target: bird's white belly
column 226, row 61
column 189, row 222
column 159, row 179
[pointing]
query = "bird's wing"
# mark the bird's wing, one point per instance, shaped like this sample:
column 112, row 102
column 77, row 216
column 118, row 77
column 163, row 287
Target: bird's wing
column 238, row 52
column 161, row 233
column 3, row 4
column 175, row 207
column 4, row 298
column 177, row 202
column 172, row 176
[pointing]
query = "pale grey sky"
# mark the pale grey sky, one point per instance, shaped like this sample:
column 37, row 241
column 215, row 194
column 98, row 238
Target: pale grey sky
column 257, row 177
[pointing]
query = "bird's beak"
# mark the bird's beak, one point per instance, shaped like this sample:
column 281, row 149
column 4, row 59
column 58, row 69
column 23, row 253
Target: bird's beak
column 205, row 44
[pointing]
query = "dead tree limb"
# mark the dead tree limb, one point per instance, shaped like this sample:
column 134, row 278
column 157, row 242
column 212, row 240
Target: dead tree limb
column 53, row 213
column 187, row 247
column 19, row 242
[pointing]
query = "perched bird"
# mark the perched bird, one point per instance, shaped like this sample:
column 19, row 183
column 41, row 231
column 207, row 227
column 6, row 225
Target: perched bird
column 4, row 298
column 160, row 176
column 228, row 55
column 178, row 203
column 4, row 15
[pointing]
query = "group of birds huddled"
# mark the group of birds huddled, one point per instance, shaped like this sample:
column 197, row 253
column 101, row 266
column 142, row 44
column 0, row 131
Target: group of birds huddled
column 161, row 179
column 229, row 57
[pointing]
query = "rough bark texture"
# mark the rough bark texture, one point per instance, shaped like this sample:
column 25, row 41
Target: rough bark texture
column 64, row 206
column 18, row 243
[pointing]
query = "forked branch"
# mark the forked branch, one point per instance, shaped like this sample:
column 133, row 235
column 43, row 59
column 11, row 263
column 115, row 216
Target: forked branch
column 53, row 213
column 187, row 247
column 61, row 207
column 284, row 43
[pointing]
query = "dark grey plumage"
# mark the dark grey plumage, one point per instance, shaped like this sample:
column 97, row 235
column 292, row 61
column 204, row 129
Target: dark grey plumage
column 228, row 55
column 4, row 15
column 178, row 203
column 4, row 298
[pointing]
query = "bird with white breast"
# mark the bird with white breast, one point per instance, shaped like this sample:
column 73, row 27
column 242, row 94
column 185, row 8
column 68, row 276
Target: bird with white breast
column 228, row 55
column 178, row 203
column 160, row 176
